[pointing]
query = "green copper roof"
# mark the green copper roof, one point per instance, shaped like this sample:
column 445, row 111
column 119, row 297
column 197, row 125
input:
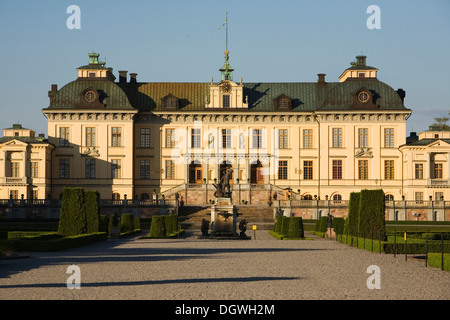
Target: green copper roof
column 306, row 96
column 69, row 96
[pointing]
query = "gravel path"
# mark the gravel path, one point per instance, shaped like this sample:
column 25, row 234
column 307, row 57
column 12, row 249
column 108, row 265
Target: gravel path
column 189, row 268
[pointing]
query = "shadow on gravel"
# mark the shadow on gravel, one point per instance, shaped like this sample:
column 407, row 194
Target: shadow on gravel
column 150, row 282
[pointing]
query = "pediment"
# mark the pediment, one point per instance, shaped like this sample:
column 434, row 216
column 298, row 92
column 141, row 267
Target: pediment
column 14, row 142
column 438, row 144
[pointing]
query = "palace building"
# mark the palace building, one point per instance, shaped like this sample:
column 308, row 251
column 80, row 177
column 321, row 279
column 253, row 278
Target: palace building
column 300, row 140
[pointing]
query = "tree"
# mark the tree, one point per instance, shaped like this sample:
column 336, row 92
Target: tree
column 440, row 124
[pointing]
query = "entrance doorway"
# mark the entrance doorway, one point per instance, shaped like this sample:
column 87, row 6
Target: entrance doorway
column 195, row 173
column 256, row 173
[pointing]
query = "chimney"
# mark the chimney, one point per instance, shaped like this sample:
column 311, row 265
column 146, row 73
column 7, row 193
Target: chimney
column 321, row 79
column 133, row 77
column 123, row 76
column 402, row 94
column 54, row 87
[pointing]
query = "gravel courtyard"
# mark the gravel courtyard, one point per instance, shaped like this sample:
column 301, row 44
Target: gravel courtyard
column 189, row 268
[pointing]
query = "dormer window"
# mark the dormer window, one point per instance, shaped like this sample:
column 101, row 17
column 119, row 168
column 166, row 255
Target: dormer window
column 170, row 102
column 283, row 102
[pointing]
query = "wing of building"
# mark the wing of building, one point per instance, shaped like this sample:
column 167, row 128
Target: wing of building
column 302, row 140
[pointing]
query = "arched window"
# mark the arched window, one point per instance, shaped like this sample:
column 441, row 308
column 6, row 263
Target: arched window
column 307, row 197
column 337, row 198
column 145, row 196
column 388, row 197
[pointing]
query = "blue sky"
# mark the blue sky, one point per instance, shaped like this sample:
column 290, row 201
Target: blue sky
column 269, row 41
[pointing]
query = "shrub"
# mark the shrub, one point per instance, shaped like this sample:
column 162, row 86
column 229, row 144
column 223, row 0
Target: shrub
column 338, row 225
column 103, row 224
column 371, row 213
column 323, row 226
column 126, row 222
column 158, row 227
column 137, row 224
column 110, row 223
column 296, row 228
column 278, row 224
column 92, row 199
column 285, row 226
column 73, row 213
column 353, row 213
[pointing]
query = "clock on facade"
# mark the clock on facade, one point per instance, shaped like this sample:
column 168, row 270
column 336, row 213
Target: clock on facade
column 363, row 97
column 90, row 96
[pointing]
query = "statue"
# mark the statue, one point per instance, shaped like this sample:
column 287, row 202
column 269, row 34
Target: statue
column 205, row 227
column 330, row 220
column 243, row 228
column 280, row 212
column 223, row 187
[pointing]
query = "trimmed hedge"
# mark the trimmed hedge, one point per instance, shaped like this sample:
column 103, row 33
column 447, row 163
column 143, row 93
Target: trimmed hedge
column 59, row 244
column 353, row 213
column 296, row 229
column 73, row 212
column 33, row 235
column 166, row 226
column 371, row 213
column 285, row 226
column 338, row 225
column 126, row 223
column 103, row 225
column 92, row 204
column 323, row 224
column 278, row 224
column 158, row 227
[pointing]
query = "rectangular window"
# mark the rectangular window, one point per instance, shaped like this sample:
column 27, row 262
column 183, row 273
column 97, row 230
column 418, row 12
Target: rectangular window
column 90, row 137
column 257, row 138
column 34, row 169
column 418, row 170
column 116, row 136
column 145, row 169
column 282, row 170
column 226, row 138
column 337, row 137
column 35, row 194
column 438, row 171
column 64, row 168
column 363, row 138
column 145, row 138
column 115, row 169
column 90, row 168
column 418, row 196
column 170, row 169
column 226, row 101
column 363, row 169
column 389, row 169
column 63, row 137
column 307, row 139
column 14, row 194
column 170, row 138
column 438, row 196
column 14, row 169
column 307, row 170
column 283, row 138
column 389, row 138
column 196, row 138
column 337, row 169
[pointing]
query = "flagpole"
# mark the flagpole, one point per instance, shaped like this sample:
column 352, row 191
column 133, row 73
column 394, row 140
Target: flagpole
column 227, row 31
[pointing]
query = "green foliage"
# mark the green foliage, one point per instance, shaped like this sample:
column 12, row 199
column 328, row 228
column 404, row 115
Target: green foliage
column 51, row 244
column 158, row 227
column 278, row 224
column 435, row 260
column 285, row 226
column 323, row 226
column 33, row 235
column 296, row 228
column 92, row 204
column 73, row 212
column 371, row 220
column 103, row 224
column 110, row 223
column 338, row 225
column 137, row 224
column 126, row 222
column 353, row 212
column 171, row 223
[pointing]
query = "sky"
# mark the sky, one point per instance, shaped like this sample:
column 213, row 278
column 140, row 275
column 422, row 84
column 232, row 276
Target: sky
column 180, row 41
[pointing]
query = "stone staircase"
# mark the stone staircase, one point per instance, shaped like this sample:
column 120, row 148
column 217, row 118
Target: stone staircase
column 191, row 217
